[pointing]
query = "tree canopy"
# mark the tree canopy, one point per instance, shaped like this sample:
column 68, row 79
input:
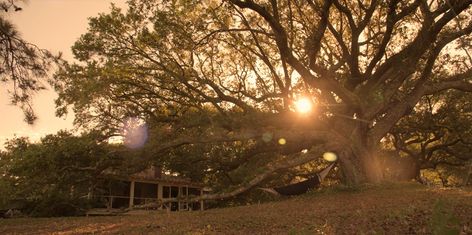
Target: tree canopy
column 56, row 175
column 437, row 135
column 225, row 75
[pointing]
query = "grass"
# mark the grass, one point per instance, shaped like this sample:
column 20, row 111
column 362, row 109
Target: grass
column 380, row 209
column 443, row 220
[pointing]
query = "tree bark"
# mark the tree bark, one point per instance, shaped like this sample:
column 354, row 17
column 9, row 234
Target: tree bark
column 358, row 153
column 351, row 168
column 360, row 166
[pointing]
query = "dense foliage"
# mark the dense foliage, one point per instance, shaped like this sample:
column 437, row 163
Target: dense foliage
column 216, row 81
column 55, row 176
column 438, row 137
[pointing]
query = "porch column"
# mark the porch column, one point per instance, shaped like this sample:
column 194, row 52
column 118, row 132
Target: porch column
column 159, row 194
column 186, row 198
column 201, row 200
column 186, row 203
column 179, row 195
column 131, row 194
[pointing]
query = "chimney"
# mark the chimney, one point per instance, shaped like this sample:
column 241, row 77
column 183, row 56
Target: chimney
column 157, row 172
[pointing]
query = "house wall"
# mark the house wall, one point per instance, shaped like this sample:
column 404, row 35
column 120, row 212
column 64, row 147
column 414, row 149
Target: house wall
column 126, row 194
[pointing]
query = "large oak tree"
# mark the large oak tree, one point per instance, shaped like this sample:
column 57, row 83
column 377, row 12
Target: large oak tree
column 438, row 135
column 226, row 75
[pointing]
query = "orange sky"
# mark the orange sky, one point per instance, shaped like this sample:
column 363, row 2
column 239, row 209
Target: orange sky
column 54, row 25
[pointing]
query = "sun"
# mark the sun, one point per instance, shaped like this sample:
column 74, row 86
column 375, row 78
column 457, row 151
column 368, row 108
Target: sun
column 303, row 105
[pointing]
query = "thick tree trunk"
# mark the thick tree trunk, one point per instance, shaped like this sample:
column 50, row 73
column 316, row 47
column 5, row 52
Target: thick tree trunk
column 360, row 166
column 350, row 168
column 357, row 155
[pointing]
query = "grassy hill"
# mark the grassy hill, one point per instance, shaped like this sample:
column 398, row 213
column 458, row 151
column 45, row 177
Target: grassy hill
column 386, row 209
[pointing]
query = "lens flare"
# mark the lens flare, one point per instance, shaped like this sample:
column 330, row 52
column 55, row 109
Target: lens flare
column 267, row 137
column 303, row 105
column 330, row 156
column 135, row 132
column 282, row 141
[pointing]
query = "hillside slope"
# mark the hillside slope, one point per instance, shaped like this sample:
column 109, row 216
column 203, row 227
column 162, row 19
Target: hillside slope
column 387, row 209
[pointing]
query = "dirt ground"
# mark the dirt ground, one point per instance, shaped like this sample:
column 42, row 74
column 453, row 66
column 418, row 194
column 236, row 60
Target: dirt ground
column 392, row 209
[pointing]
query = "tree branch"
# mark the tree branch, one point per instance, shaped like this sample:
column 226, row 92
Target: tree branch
column 325, row 82
column 267, row 171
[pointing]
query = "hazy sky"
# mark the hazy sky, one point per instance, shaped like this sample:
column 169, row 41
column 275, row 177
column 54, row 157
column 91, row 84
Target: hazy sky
column 54, row 25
